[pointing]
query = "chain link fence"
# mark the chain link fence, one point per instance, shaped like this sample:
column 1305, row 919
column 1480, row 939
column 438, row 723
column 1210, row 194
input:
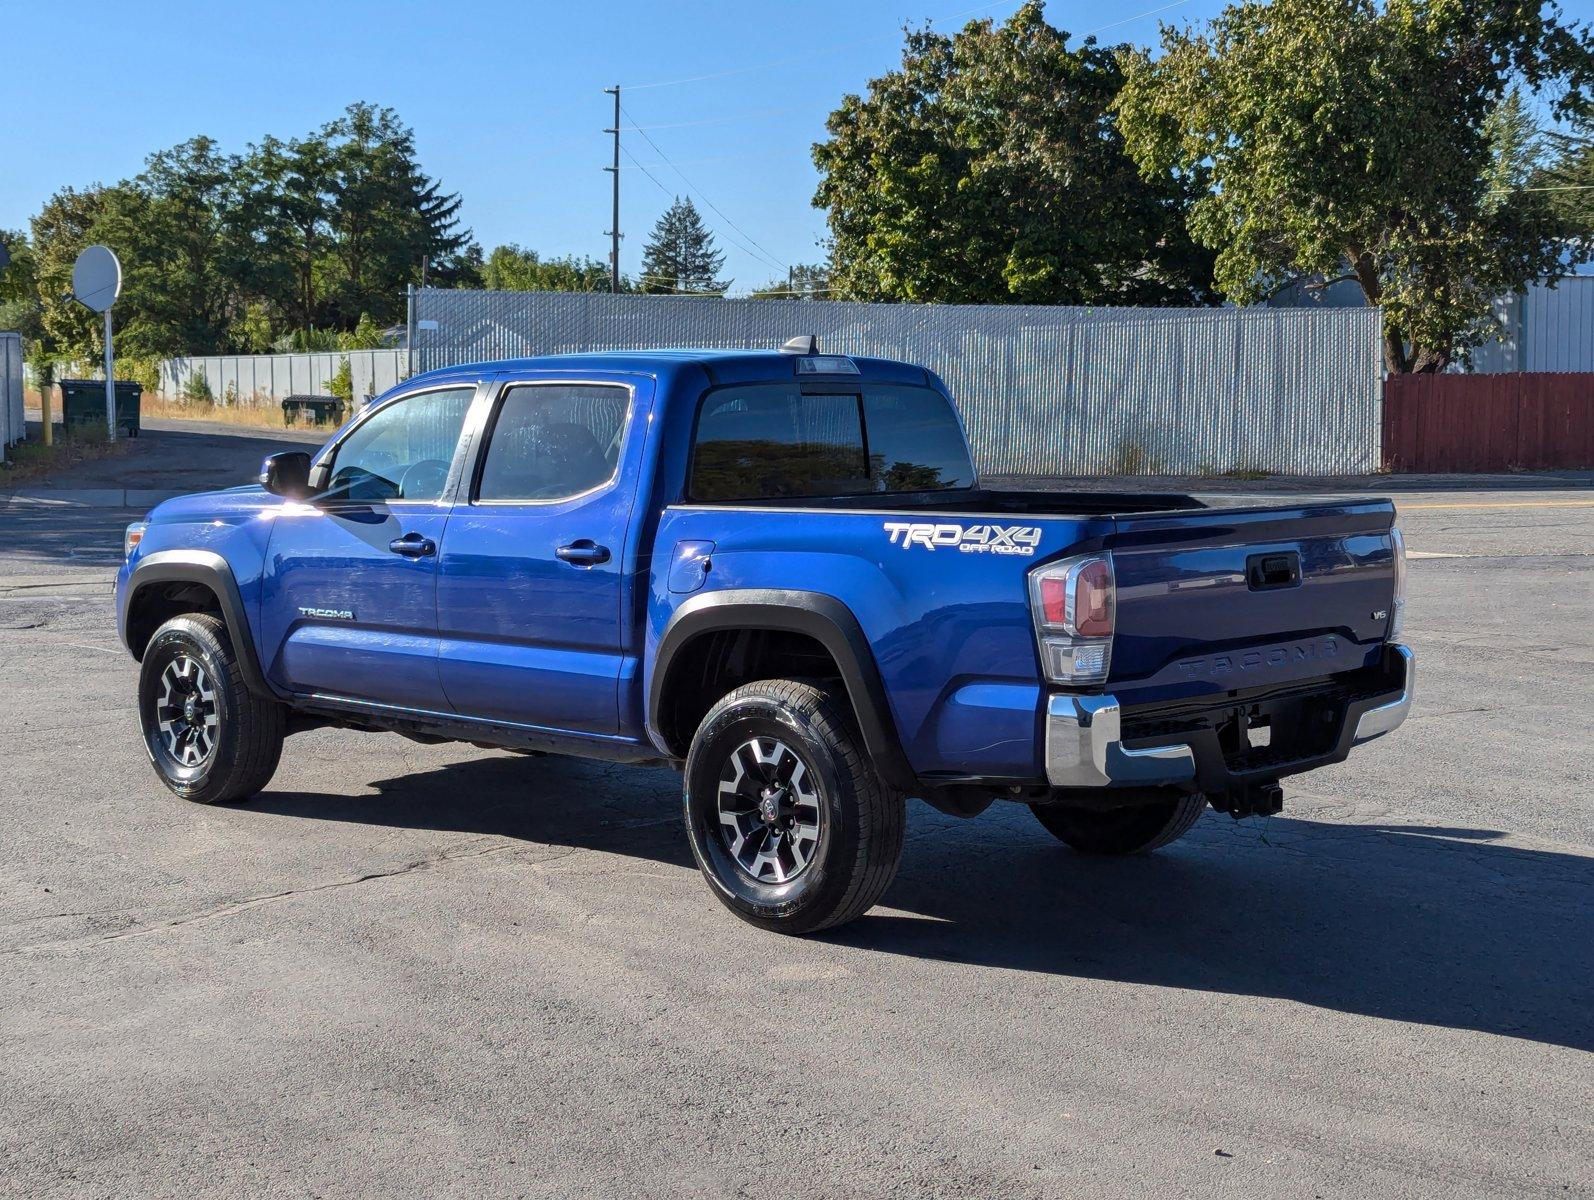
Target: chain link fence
column 1050, row 391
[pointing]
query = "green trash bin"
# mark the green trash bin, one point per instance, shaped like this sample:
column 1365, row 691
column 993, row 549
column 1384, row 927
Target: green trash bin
column 83, row 405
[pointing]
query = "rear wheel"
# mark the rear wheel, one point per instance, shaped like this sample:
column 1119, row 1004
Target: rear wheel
column 210, row 739
column 788, row 821
column 1133, row 829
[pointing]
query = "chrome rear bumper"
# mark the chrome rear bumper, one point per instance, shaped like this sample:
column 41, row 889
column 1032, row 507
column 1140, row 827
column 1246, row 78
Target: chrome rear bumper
column 1084, row 747
column 1389, row 715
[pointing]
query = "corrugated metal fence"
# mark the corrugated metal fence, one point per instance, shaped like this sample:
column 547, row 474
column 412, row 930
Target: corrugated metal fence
column 1042, row 390
column 266, row 378
column 12, row 428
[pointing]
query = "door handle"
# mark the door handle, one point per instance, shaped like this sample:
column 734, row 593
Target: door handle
column 583, row 553
column 413, row 545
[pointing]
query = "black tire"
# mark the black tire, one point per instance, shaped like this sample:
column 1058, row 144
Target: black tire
column 857, row 822
column 1134, row 829
column 240, row 751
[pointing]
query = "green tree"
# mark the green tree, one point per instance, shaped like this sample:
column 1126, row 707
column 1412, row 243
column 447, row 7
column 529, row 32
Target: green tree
column 176, row 230
column 806, row 281
column 513, row 269
column 341, row 384
column 988, row 169
column 387, row 217
column 225, row 253
column 365, row 335
column 1366, row 140
column 61, row 229
column 19, row 291
column 679, row 255
column 1569, row 174
column 286, row 190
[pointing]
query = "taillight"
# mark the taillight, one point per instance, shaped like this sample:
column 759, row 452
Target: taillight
column 1073, row 602
column 1397, row 609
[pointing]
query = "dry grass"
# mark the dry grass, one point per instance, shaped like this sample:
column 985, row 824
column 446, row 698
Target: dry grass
column 252, row 416
column 249, row 416
column 29, row 462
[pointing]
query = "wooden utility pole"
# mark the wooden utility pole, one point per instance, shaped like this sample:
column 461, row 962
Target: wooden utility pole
column 614, row 218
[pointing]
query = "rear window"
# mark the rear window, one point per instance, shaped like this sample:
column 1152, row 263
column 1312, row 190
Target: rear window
column 775, row 441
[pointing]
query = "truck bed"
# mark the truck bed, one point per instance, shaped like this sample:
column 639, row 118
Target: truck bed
column 987, row 501
column 938, row 582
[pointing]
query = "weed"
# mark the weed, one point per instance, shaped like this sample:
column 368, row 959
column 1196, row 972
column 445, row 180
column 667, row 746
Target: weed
column 263, row 416
column 28, row 462
column 1135, row 459
column 196, row 388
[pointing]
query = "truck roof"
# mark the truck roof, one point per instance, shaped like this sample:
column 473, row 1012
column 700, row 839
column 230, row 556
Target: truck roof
column 721, row 366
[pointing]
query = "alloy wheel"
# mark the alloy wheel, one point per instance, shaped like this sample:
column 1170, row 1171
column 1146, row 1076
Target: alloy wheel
column 770, row 817
column 185, row 712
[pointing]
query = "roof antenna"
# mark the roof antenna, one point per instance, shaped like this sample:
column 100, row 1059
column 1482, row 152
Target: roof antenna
column 804, row 343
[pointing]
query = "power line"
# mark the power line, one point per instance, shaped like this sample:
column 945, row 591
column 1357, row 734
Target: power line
column 810, row 55
column 763, row 112
column 806, row 56
column 690, row 162
column 645, row 171
column 753, row 247
column 655, row 180
column 1137, row 17
column 768, row 258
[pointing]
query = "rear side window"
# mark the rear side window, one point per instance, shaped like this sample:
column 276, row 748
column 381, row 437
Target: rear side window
column 775, row 441
column 551, row 441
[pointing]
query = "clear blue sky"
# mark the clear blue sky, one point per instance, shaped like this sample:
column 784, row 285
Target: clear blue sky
column 505, row 98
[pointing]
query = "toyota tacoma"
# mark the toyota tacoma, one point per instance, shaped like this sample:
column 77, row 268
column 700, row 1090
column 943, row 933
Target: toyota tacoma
column 778, row 573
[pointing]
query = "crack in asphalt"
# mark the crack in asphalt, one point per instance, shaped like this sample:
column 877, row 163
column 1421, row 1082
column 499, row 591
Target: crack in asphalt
column 234, row 907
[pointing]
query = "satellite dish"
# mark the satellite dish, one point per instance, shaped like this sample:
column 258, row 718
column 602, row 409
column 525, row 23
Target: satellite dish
column 97, row 278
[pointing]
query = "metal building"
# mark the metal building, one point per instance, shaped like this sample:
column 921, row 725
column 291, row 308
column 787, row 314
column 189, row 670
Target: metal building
column 1549, row 328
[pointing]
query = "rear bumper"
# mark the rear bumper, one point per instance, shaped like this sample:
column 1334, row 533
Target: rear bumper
column 1084, row 748
column 1087, row 747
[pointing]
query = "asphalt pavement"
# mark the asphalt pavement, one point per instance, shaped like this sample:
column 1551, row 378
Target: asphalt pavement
column 438, row 970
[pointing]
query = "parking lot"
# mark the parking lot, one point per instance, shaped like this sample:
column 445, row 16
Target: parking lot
column 433, row 969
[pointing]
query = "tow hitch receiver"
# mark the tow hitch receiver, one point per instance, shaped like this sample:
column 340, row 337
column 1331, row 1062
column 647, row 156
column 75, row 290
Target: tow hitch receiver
column 1252, row 800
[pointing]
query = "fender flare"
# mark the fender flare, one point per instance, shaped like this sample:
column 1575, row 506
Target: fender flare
column 211, row 570
column 825, row 619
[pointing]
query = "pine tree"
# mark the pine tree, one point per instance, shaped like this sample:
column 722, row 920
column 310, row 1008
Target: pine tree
column 680, row 256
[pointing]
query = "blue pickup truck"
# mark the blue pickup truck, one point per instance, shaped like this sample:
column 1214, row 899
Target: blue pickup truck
column 777, row 572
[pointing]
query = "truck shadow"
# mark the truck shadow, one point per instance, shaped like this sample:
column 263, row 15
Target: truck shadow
column 1441, row 926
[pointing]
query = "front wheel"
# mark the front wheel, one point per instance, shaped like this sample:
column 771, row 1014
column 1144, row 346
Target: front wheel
column 788, row 821
column 210, row 739
column 1133, row 829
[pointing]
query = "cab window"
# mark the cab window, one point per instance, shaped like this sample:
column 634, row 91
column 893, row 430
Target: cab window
column 776, row 441
column 552, row 441
column 403, row 450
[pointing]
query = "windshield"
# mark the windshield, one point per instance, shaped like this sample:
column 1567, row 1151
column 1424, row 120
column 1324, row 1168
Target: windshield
column 778, row 440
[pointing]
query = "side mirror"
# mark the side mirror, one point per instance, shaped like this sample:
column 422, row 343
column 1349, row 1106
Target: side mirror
column 286, row 474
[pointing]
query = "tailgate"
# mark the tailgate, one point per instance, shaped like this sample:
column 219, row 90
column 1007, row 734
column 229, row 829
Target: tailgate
column 1223, row 599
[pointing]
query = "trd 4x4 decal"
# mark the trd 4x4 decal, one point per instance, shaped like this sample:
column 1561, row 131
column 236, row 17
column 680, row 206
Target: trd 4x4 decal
column 969, row 539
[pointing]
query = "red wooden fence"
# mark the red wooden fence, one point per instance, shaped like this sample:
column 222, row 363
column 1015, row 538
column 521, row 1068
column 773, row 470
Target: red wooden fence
column 1521, row 422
